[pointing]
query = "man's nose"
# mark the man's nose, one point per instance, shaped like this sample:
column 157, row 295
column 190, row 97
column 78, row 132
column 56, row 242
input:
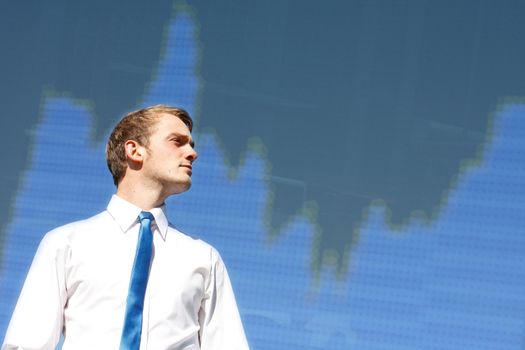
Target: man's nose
column 192, row 155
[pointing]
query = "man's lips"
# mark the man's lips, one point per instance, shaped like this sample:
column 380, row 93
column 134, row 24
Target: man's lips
column 187, row 166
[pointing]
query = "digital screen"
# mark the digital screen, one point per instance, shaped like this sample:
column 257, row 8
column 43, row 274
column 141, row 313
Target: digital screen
column 355, row 223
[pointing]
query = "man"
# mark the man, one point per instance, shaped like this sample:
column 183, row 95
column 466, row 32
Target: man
column 126, row 278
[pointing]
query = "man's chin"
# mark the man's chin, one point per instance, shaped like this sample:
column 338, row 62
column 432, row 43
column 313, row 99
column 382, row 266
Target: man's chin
column 180, row 188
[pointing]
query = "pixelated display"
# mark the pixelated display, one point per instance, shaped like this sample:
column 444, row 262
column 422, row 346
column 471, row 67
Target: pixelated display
column 454, row 281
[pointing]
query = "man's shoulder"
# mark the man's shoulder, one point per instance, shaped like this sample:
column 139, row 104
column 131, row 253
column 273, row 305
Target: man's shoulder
column 73, row 227
column 192, row 242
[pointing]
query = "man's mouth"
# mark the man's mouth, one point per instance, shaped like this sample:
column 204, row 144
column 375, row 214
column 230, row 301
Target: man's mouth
column 187, row 166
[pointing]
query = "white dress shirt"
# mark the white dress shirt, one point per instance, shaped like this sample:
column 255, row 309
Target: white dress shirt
column 79, row 279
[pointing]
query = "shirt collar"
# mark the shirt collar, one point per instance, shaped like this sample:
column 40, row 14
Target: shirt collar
column 126, row 215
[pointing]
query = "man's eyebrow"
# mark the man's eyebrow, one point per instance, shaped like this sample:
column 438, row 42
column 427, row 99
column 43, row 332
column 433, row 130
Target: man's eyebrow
column 186, row 138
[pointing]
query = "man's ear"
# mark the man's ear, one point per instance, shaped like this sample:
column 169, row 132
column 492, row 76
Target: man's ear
column 134, row 151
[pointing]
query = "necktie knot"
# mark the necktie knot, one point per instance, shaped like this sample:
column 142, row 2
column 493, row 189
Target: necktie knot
column 146, row 215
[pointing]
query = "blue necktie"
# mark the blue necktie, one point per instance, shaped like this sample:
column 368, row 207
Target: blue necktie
column 137, row 287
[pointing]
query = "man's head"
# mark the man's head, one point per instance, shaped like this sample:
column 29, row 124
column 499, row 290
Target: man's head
column 163, row 125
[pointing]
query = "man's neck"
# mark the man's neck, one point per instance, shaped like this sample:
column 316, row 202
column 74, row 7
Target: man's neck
column 144, row 198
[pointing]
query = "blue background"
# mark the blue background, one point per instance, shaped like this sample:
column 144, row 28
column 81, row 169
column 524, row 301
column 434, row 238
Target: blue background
column 449, row 274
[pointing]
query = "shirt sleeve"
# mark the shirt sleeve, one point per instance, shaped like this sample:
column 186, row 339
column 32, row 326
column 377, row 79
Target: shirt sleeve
column 37, row 320
column 220, row 322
